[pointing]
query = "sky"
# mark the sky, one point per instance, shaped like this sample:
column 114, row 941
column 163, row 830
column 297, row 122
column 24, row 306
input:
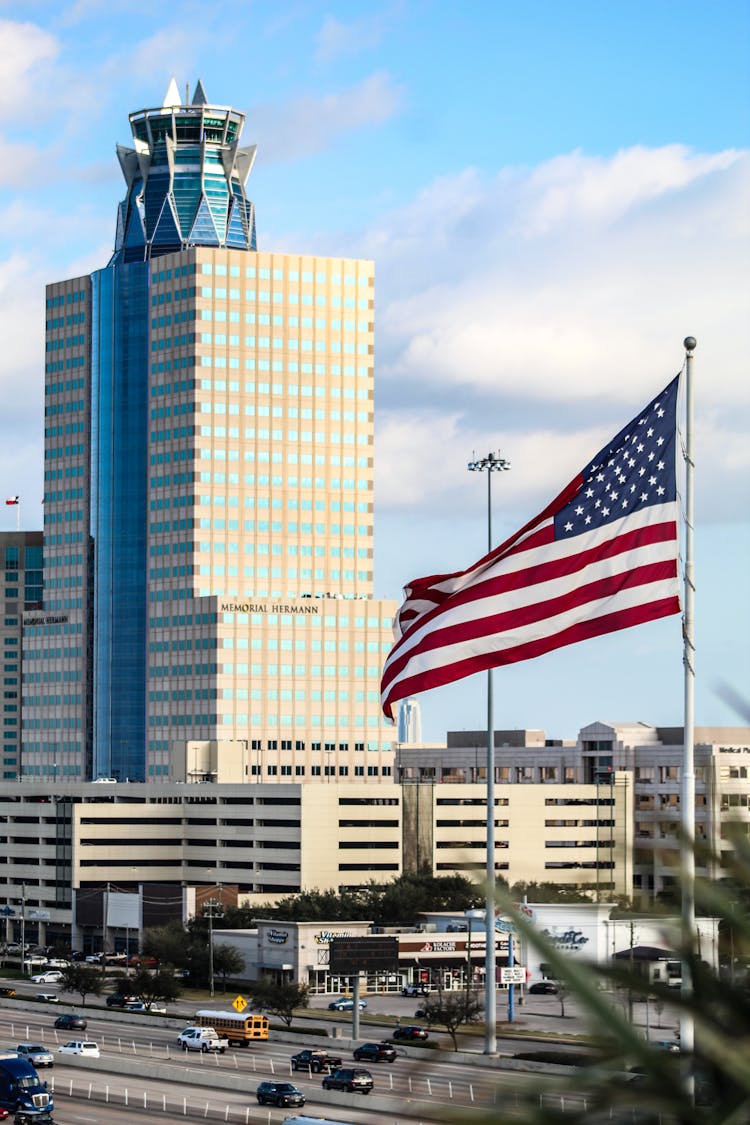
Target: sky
column 554, row 196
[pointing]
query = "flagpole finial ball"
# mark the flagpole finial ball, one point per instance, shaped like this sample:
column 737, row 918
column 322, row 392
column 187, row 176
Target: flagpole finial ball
column 690, row 343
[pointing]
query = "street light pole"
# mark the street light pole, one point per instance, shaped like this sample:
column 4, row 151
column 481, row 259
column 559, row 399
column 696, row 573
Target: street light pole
column 490, row 464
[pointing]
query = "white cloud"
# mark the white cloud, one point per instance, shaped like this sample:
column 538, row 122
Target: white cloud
column 309, row 125
column 26, row 50
column 537, row 309
column 337, row 39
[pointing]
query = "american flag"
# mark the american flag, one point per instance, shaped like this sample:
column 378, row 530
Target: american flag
column 601, row 557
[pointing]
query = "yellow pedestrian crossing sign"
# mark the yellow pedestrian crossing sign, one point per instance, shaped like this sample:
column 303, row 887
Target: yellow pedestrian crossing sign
column 239, row 1003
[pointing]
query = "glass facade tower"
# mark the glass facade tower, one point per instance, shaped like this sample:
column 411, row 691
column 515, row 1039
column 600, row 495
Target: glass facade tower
column 208, row 487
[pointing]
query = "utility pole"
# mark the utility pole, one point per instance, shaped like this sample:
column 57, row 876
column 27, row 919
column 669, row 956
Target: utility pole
column 213, row 908
column 23, row 928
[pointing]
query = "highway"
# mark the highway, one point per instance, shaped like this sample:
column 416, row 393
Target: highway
column 421, row 1085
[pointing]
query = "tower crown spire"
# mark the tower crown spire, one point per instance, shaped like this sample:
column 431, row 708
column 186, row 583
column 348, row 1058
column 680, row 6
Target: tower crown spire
column 185, row 176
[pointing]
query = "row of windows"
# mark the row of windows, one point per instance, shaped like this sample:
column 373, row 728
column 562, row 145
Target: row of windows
column 65, row 473
column 66, row 342
column 66, row 385
column 268, row 296
column 164, row 503
column 66, row 321
column 293, row 367
column 156, row 671
column 69, row 364
column 65, row 299
column 306, row 575
column 290, row 343
column 307, row 277
column 277, row 320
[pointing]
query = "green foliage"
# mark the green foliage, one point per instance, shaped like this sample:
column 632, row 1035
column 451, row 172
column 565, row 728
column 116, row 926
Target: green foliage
column 632, row 1080
column 549, row 892
column 83, row 979
column 279, row 999
column 228, row 962
column 399, row 902
column 151, row 987
column 450, row 1010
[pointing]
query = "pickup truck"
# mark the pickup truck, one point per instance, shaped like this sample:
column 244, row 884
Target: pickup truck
column 315, row 1061
column 202, row 1039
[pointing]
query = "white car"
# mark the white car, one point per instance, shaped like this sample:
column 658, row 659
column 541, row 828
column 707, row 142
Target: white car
column 80, row 1047
column 47, row 997
column 139, row 1006
column 52, row 976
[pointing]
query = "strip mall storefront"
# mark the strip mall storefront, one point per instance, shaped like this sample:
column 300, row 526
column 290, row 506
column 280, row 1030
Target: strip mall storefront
column 300, row 951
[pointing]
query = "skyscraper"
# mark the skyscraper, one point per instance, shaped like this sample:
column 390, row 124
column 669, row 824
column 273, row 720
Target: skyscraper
column 208, row 487
column 21, row 562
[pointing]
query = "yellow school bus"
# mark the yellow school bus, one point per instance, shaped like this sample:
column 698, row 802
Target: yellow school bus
column 240, row 1030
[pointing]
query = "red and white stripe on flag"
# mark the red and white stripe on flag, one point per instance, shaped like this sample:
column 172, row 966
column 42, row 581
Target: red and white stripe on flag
column 601, row 557
column 12, row 500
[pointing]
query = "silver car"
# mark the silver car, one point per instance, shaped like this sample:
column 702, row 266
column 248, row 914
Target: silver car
column 36, row 1054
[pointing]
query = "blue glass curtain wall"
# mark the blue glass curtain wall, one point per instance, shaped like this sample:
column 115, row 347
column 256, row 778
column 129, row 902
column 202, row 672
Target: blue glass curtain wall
column 119, row 517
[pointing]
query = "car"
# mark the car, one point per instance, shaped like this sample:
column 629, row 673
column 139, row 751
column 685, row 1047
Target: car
column 47, row 997
column 7, row 991
column 52, row 976
column 70, row 1021
column 56, row 963
column 279, row 1093
column 345, row 1004
column 410, row 1031
column 415, row 990
column 121, row 999
column 141, row 1006
column 543, row 988
column 671, row 1046
column 80, row 1047
column 374, row 1052
column 349, row 1078
column 4, row 1115
column 36, row 1054
column 315, row 1060
column 137, row 961
column 94, row 958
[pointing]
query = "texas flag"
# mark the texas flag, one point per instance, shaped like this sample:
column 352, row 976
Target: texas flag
column 12, row 500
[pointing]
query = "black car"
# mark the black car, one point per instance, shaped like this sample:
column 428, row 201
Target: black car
column 410, row 1031
column 69, row 1021
column 119, row 1000
column 374, row 1052
column 543, row 988
column 315, row 1060
column 279, row 1093
column 7, row 991
column 349, row 1078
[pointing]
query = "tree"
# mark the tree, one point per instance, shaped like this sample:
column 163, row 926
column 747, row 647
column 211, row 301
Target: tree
column 450, row 1010
column 399, row 902
column 83, row 979
column 169, row 944
column 150, row 987
column 279, row 999
column 228, row 962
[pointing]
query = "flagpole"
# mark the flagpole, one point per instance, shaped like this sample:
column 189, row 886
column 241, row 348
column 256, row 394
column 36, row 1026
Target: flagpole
column 687, row 785
column 489, row 464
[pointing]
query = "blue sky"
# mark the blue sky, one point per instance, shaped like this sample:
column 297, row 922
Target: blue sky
column 554, row 195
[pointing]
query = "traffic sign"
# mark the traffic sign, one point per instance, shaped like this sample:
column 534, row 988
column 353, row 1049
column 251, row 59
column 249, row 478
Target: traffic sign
column 239, row 1003
column 513, row 974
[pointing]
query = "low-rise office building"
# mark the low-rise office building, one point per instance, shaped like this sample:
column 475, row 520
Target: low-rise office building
column 92, row 863
column 642, row 762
